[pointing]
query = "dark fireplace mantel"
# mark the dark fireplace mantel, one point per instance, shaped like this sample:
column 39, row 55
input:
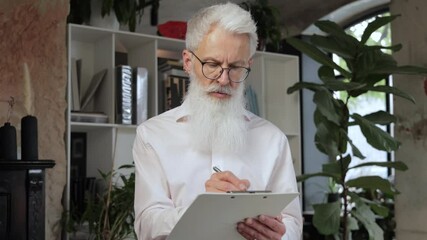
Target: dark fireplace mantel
column 22, row 199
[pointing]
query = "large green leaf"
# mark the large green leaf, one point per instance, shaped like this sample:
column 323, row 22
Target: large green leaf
column 352, row 223
column 396, row 165
column 373, row 183
column 368, row 61
column 326, row 217
column 379, row 209
column 405, row 70
column 333, row 168
column 304, row 177
column 327, row 138
column 356, row 152
column 316, row 54
column 394, row 48
column 381, row 117
column 391, row 90
column 333, row 45
column 307, row 85
column 337, row 85
column 375, row 136
column 339, row 37
column 326, row 104
column 330, row 27
column 365, row 215
column 326, row 73
column 374, row 25
column 336, row 169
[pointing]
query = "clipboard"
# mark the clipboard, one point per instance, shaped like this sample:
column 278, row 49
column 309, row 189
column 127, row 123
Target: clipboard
column 214, row 216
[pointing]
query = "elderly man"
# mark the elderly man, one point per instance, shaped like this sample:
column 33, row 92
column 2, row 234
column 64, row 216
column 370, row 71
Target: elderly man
column 176, row 151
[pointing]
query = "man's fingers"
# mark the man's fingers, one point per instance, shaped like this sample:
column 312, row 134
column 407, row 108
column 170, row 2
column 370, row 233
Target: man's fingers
column 262, row 227
column 273, row 223
column 227, row 176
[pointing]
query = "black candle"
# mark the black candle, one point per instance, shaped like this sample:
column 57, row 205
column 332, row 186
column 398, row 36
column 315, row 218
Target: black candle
column 29, row 138
column 8, row 149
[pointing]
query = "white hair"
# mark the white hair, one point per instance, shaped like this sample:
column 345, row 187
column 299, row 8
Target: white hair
column 229, row 16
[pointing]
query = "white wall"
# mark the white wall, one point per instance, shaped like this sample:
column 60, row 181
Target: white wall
column 411, row 208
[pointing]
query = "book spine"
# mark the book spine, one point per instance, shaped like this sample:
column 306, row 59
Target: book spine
column 140, row 83
column 124, row 100
column 177, row 90
column 75, row 91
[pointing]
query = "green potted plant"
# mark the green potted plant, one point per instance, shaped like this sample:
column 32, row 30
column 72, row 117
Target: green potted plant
column 110, row 214
column 367, row 66
column 266, row 18
column 126, row 12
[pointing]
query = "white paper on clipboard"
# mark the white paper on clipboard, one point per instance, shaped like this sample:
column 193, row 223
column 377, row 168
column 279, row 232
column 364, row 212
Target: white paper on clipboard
column 214, row 216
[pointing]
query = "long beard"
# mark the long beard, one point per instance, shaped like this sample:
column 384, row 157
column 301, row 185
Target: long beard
column 216, row 124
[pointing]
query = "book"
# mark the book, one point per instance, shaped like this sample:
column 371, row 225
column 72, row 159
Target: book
column 174, row 72
column 165, row 64
column 140, row 98
column 124, row 96
column 91, row 117
column 93, row 87
column 175, row 89
column 75, row 91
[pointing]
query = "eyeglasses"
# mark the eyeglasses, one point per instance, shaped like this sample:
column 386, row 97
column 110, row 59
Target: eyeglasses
column 213, row 71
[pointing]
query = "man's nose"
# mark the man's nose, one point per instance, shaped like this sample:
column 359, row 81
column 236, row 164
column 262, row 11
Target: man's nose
column 224, row 79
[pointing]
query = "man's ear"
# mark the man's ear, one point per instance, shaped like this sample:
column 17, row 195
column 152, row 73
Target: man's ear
column 250, row 62
column 186, row 61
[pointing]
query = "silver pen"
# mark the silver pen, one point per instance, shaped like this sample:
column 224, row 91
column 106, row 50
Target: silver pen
column 216, row 169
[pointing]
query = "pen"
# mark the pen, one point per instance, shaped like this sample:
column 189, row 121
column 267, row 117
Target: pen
column 216, row 169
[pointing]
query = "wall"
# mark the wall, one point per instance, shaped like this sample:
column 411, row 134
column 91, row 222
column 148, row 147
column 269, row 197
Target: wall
column 33, row 32
column 411, row 30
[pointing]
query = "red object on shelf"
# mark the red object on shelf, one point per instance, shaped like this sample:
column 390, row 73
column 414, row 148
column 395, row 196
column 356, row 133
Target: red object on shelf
column 173, row 29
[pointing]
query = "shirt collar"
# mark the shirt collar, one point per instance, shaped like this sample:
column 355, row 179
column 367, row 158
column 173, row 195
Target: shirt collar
column 183, row 112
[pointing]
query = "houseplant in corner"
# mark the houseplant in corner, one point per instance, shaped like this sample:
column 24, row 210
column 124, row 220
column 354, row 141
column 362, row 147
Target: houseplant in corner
column 109, row 215
column 367, row 66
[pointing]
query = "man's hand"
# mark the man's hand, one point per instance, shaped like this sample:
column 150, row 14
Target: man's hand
column 226, row 181
column 262, row 228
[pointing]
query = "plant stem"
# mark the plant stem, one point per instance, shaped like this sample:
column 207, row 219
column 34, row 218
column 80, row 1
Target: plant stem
column 344, row 195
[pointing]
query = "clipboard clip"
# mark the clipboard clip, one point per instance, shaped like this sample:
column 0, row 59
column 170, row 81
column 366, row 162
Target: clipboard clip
column 251, row 191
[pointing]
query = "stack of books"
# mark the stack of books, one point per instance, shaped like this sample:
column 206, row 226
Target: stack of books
column 175, row 81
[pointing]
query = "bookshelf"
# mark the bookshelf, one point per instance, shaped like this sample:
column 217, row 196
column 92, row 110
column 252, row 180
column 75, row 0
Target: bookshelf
column 110, row 144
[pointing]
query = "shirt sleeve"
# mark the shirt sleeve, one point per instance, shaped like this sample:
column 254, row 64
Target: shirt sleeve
column 155, row 214
column 283, row 180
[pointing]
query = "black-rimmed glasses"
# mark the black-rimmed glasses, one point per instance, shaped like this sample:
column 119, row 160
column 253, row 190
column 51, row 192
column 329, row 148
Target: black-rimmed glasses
column 213, row 71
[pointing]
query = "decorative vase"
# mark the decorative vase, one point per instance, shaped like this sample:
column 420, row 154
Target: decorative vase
column 96, row 19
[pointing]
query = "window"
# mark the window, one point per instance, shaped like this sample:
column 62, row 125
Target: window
column 367, row 103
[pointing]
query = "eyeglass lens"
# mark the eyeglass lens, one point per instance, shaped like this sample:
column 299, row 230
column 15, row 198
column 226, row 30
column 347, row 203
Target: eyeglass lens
column 213, row 71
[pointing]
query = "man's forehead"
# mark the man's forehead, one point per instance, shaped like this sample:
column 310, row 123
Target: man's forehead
column 220, row 42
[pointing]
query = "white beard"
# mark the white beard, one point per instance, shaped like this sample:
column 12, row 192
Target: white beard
column 216, row 124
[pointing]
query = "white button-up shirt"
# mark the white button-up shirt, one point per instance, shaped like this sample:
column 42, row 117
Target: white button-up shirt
column 170, row 173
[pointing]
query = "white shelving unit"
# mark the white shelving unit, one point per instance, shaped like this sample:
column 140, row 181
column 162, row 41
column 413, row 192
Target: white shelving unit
column 109, row 144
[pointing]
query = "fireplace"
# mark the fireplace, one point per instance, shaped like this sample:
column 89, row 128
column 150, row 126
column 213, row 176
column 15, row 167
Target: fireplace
column 22, row 199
